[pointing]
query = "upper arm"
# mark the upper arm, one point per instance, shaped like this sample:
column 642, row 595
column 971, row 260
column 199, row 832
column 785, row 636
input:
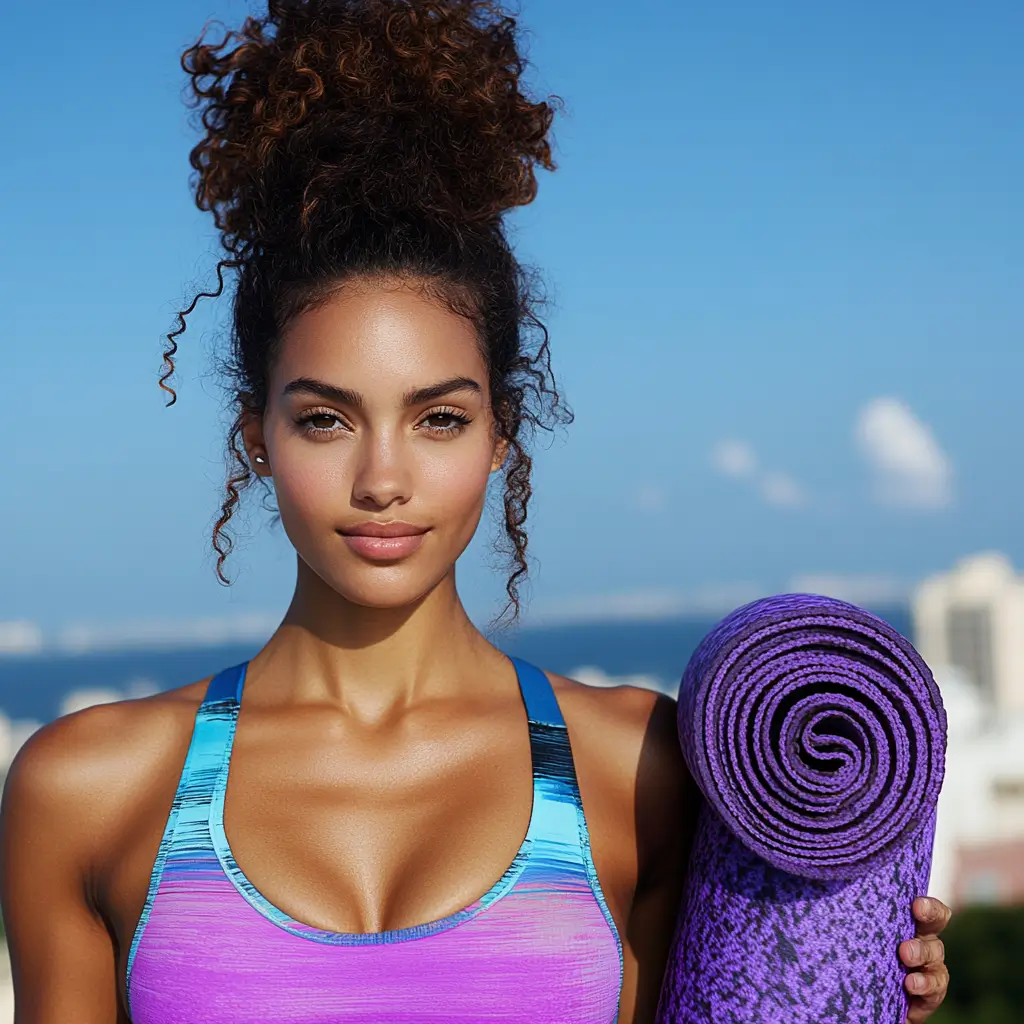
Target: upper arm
column 641, row 805
column 666, row 806
column 62, row 955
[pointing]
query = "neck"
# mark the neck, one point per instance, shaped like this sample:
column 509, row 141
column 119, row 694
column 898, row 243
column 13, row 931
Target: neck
column 370, row 660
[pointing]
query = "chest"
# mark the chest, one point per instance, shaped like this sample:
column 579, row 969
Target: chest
column 365, row 832
column 354, row 832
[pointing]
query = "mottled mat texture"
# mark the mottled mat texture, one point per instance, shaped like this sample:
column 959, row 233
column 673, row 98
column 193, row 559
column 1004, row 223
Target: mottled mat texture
column 817, row 735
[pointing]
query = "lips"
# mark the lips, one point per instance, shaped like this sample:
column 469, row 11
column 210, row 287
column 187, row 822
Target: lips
column 383, row 542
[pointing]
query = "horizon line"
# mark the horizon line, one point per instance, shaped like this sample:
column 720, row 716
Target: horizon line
column 25, row 639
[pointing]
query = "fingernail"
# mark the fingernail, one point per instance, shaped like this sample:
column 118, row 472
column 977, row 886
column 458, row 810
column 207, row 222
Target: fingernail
column 915, row 949
column 916, row 983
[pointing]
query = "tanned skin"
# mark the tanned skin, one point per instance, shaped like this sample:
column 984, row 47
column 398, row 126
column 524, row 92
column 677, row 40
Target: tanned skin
column 381, row 775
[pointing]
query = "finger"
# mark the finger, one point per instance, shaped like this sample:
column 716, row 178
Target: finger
column 923, row 1004
column 925, row 951
column 930, row 915
column 924, row 984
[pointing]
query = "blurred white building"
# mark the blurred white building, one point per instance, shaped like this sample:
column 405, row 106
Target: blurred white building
column 973, row 619
column 969, row 627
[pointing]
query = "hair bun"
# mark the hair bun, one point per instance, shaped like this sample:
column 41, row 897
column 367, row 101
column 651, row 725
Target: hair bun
column 379, row 107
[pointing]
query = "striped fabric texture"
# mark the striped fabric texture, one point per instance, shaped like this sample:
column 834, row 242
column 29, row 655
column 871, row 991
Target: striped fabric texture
column 539, row 946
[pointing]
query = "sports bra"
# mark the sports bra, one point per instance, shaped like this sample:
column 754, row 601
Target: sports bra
column 540, row 946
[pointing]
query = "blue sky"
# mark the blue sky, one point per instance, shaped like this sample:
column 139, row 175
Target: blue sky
column 784, row 251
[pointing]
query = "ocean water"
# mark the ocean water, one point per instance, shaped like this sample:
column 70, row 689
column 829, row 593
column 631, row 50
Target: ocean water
column 34, row 687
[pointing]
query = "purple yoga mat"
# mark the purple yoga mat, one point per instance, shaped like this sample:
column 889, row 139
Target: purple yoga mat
column 817, row 736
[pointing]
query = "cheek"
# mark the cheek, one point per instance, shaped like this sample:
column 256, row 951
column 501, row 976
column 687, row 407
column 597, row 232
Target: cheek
column 453, row 477
column 312, row 479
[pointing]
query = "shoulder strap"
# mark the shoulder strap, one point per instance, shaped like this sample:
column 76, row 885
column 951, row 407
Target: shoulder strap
column 186, row 834
column 554, row 775
column 224, row 686
column 557, row 824
column 541, row 704
column 211, row 743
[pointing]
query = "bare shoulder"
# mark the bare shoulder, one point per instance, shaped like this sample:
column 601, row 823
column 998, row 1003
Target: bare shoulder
column 627, row 755
column 628, row 724
column 93, row 767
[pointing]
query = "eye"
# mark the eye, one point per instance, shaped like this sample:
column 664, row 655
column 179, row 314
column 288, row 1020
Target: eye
column 319, row 422
column 444, row 422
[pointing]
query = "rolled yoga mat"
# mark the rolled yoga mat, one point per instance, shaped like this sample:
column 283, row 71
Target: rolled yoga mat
column 817, row 736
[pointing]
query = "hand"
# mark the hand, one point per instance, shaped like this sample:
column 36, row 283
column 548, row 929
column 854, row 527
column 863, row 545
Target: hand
column 927, row 979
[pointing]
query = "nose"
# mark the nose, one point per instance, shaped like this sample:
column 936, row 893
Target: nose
column 383, row 474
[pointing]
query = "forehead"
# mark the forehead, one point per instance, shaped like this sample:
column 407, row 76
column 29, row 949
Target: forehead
column 376, row 337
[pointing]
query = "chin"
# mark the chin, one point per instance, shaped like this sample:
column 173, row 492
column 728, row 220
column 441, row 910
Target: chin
column 385, row 587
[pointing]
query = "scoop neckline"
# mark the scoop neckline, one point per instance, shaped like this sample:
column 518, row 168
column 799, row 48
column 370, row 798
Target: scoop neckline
column 256, row 899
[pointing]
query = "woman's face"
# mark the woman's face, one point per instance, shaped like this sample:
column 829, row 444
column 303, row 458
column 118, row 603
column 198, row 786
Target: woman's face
column 379, row 437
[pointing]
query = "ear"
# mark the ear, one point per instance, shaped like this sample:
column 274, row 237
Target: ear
column 500, row 454
column 255, row 446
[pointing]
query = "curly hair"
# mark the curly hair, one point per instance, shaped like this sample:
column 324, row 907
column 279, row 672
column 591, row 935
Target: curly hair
column 349, row 138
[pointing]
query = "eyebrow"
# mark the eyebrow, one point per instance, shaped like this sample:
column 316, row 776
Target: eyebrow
column 346, row 396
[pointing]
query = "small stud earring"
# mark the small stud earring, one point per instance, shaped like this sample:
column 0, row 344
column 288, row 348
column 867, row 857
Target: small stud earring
column 261, row 460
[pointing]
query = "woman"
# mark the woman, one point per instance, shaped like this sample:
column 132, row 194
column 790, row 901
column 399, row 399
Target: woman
column 386, row 853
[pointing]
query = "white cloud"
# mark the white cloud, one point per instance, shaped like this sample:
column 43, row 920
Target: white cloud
column 734, row 458
column 650, row 498
column 863, row 589
column 782, row 490
column 20, row 638
column 909, row 467
column 12, row 735
column 78, row 700
column 25, row 638
column 7, row 748
column 719, row 598
column 643, row 605
column 636, row 605
column 141, row 687
column 737, row 459
column 593, row 676
column 87, row 697
column 159, row 633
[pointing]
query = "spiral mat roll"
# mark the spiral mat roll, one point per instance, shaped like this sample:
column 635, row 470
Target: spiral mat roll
column 817, row 736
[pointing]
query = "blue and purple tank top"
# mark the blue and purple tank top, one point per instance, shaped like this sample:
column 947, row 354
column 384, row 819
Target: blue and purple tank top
column 540, row 946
